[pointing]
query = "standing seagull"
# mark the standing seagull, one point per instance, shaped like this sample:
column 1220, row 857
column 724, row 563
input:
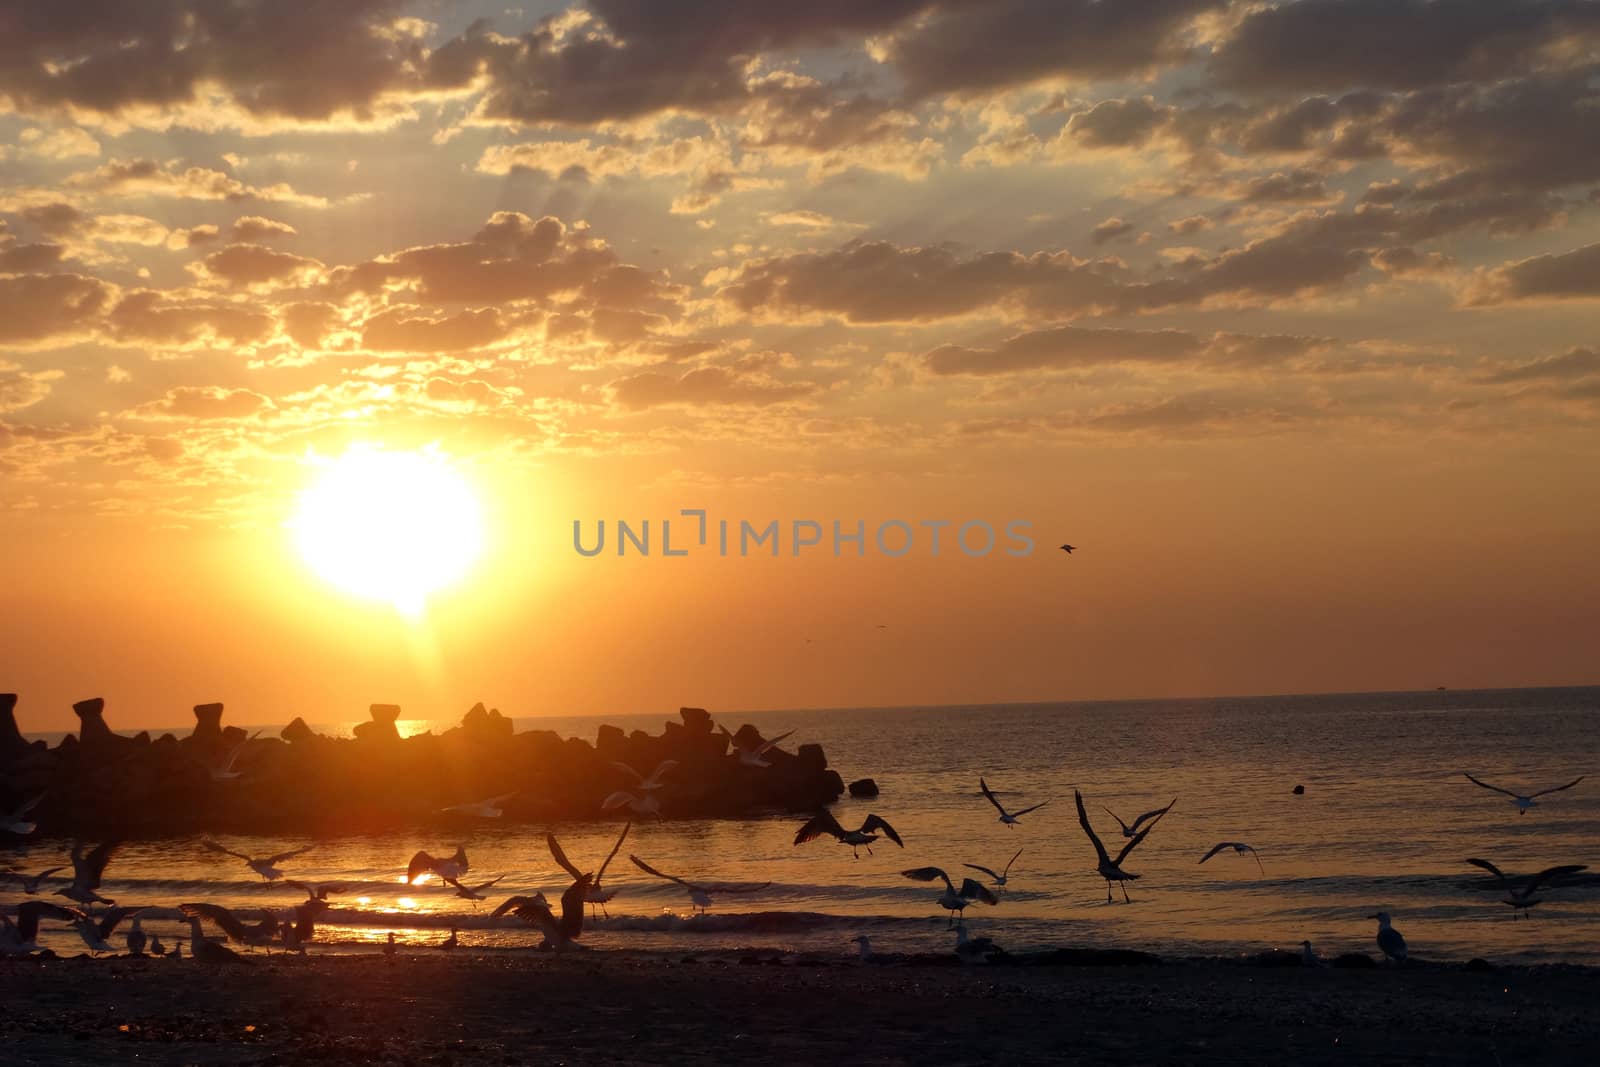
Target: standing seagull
column 87, row 871
column 699, row 894
column 22, row 936
column 999, row 879
column 267, row 867
column 1238, row 846
column 596, row 893
column 558, row 933
column 1524, row 801
column 1111, row 869
column 1129, row 829
column 1389, row 939
column 136, row 938
column 14, row 822
column 1007, row 817
column 28, row 882
column 824, row 823
column 449, row 870
column 1521, row 898
column 953, row 900
column 755, row 756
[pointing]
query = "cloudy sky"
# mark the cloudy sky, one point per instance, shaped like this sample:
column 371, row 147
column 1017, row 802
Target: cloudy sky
column 1284, row 312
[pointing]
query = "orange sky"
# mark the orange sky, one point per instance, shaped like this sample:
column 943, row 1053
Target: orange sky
column 1285, row 314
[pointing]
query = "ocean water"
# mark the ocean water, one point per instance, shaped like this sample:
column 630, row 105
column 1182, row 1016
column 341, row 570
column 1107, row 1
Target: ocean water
column 1385, row 823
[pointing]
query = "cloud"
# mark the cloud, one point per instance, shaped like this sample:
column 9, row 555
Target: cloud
column 1573, row 363
column 62, row 142
column 205, row 402
column 248, row 266
column 1076, row 347
column 706, row 386
column 407, row 330
column 150, row 317
column 1110, row 230
column 252, row 229
column 41, row 309
column 146, row 177
column 22, row 389
column 1573, row 275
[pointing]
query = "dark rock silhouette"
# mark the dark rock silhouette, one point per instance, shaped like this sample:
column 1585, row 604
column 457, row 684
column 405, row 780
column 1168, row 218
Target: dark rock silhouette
column 863, row 788
column 99, row 782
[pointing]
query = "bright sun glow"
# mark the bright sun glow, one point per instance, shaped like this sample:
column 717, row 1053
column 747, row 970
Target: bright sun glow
column 390, row 526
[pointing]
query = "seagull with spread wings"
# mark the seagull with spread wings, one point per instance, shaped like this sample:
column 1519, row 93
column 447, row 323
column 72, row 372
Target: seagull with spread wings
column 87, row 871
column 1000, row 878
column 596, row 894
column 1111, row 869
column 656, row 779
column 21, row 936
column 953, row 900
column 223, row 770
column 1521, row 896
column 535, row 910
column 699, row 892
column 266, row 867
column 1524, row 801
column 492, row 808
column 14, row 822
column 261, row 934
column 1238, row 846
column 1008, row 817
column 825, row 823
column 475, row 893
column 448, row 870
column 644, row 803
column 28, row 882
column 95, row 931
column 1129, row 829
column 755, row 755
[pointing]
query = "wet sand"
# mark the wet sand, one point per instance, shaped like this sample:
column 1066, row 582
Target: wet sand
column 591, row 1007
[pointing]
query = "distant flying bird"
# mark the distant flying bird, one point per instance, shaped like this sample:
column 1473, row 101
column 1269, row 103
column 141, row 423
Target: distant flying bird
column 21, row 936
column 261, row 934
column 755, row 756
column 1238, row 846
column 87, row 870
column 475, row 893
column 15, row 823
column 1008, row 817
column 953, row 900
column 223, row 771
column 1389, row 939
column 1524, row 801
column 1129, row 829
column 825, row 823
column 95, row 931
column 266, row 867
column 1521, row 897
column 482, row 809
column 558, row 933
column 699, row 893
column 1068, row 549
column 596, row 894
column 448, row 870
column 28, row 882
column 999, row 879
column 1111, row 869
column 645, row 785
column 646, row 804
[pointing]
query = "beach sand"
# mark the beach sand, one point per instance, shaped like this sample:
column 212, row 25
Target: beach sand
column 591, row 1007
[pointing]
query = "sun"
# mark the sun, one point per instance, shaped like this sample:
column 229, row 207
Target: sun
column 389, row 526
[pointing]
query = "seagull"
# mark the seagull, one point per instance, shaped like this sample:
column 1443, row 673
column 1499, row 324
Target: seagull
column 1111, row 869
column 28, row 882
column 87, row 871
column 647, row 804
column 474, row 893
column 1308, row 956
column 1068, row 549
column 261, row 934
column 1389, row 939
column 136, row 938
column 267, row 868
column 449, row 870
column 1007, row 817
column 646, row 785
column 94, row 933
column 319, row 891
column 389, row 946
column 450, row 942
column 1129, row 829
column 558, row 933
column 699, row 894
column 596, row 893
column 21, row 936
column 1238, row 846
column 14, row 823
column 953, row 900
column 156, row 947
column 865, row 947
column 1521, row 898
column 999, row 879
column 975, row 949
column 756, row 755
column 301, row 932
column 1525, row 801
column 824, row 823
column 221, row 772
column 483, row 809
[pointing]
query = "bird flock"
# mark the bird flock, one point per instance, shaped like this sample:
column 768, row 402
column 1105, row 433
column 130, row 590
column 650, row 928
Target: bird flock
column 293, row 928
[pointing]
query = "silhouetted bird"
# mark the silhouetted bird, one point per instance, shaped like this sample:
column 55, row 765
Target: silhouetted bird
column 1521, row 897
column 1068, row 549
column 824, row 823
column 1111, row 869
column 1524, row 801
column 1389, row 939
column 1008, row 817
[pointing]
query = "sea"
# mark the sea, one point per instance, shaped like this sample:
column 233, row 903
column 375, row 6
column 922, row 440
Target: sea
column 1385, row 822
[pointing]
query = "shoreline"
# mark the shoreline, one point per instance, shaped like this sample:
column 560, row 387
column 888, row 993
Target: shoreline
column 676, row 1007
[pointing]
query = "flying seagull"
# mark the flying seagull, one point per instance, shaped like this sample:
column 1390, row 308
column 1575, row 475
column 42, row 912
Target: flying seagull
column 266, row 867
column 449, row 870
column 655, row 781
column 1525, row 801
column 482, row 809
column 474, row 893
column 87, row 871
column 699, row 893
column 262, row 933
column 15, row 823
column 95, row 931
column 1068, row 549
column 300, row 932
column 953, row 900
column 1008, row 817
column 596, row 894
column 1521, row 897
column 824, row 823
column 21, row 936
column 756, row 755
column 1129, row 829
column 319, row 891
column 646, row 804
column 999, row 879
column 1111, row 869
column 1389, row 939
column 28, row 882
column 201, row 950
column 223, row 771
column 558, row 933
column 1238, row 846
